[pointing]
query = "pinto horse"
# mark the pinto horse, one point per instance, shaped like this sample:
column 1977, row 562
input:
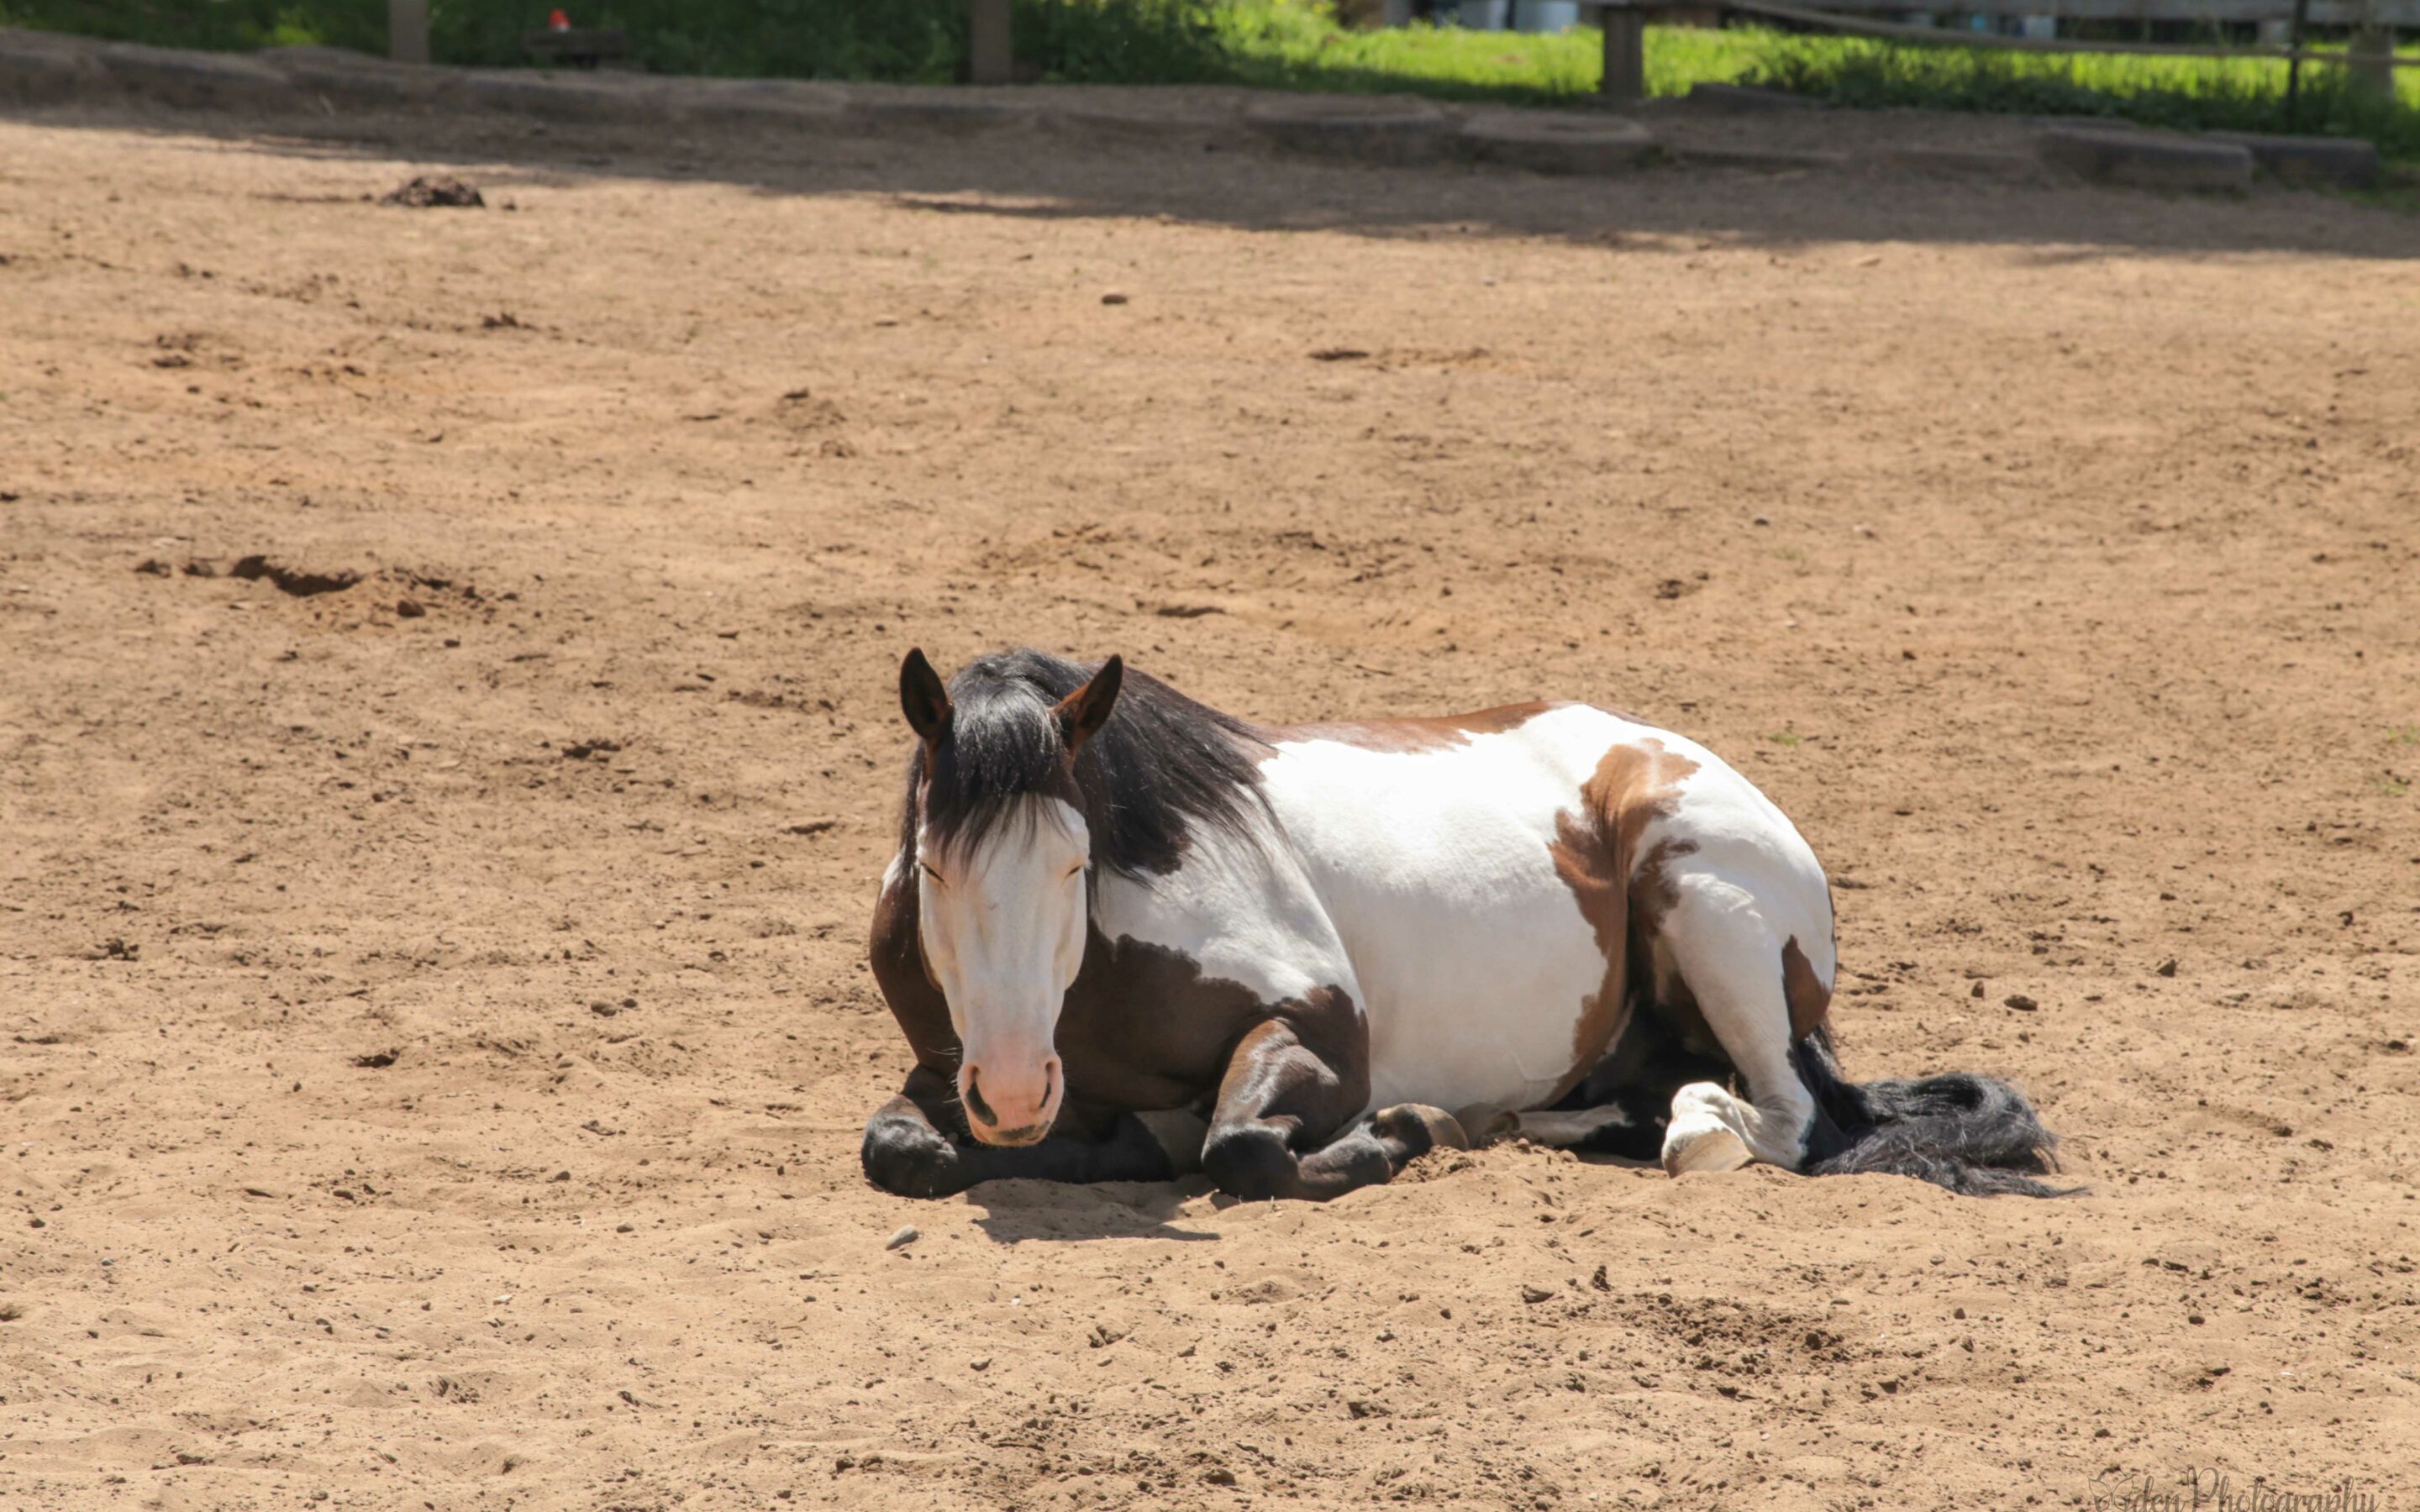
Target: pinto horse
column 1127, row 937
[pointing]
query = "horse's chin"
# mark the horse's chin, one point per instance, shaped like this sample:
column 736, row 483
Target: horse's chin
column 1033, row 1133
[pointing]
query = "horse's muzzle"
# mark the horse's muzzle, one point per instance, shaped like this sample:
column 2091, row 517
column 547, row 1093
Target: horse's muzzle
column 1010, row 1110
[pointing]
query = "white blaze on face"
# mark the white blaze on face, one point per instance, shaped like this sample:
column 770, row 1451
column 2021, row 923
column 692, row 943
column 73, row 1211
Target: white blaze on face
column 1003, row 928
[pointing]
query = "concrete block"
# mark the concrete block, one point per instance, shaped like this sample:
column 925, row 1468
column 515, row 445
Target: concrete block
column 2144, row 160
column 2337, row 161
column 1739, row 99
column 936, row 109
column 213, row 81
column 44, row 68
column 1562, row 144
column 567, row 96
column 1344, row 126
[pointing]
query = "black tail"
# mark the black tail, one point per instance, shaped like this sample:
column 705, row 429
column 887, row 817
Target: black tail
column 1970, row 1133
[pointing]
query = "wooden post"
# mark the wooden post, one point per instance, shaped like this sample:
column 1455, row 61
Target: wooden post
column 1625, row 55
column 2372, row 69
column 407, row 30
column 2294, row 66
column 991, row 56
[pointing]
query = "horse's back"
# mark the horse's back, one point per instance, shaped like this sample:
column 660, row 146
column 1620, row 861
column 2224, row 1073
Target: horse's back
column 1481, row 875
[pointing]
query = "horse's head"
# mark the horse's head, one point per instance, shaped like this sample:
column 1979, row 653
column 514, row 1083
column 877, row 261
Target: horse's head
column 996, row 825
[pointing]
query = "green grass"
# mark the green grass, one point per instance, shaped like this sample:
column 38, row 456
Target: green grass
column 1298, row 46
column 2193, row 94
column 1294, row 44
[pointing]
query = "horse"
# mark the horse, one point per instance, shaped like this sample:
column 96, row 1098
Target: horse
column 1128, row 937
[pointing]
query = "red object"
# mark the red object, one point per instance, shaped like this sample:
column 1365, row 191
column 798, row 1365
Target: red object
column 557, row 21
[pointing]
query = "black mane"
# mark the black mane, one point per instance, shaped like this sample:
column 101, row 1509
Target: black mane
column 1162, row 764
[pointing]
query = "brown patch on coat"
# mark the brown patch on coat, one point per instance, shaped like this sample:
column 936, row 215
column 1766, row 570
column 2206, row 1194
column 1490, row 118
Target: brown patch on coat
column 1809, row 999
column 1309, row 1060
column 1623, row 895
column 1435, row 733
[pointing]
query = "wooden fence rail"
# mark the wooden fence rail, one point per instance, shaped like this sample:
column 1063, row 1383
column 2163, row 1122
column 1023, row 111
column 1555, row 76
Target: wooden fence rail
column 1946, row 36
column 2322, row 12
column 2372, row 56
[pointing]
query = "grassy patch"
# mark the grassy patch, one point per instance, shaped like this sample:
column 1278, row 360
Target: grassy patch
column 1295, row 44
column 2193, row 94
column 1298, row 46
column 1290, row 44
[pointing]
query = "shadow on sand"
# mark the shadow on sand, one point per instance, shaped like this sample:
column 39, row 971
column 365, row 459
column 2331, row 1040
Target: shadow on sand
column 1029, row 173
column 1014, row 1211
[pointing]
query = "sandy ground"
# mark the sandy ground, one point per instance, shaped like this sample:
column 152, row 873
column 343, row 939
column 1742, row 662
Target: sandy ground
column 433, row 1034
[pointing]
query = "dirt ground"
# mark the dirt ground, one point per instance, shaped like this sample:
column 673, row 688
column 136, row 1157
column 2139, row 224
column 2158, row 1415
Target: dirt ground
column 433, row 1031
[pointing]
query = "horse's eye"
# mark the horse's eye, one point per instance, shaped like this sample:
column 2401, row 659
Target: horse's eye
column 929, row 872
column 1078, row 870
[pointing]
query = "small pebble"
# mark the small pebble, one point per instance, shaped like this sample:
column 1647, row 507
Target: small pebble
column 983, row 1364
column 903, row 1239
column 2021, row 1003
column 1113, row 299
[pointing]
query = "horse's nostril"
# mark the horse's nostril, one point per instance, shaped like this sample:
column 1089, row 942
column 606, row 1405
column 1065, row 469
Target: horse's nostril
column 1049, row 1082
column 975, row 1103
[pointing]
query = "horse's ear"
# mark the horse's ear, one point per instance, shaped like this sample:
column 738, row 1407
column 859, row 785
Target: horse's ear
column 1088, row 708
column 922, row 698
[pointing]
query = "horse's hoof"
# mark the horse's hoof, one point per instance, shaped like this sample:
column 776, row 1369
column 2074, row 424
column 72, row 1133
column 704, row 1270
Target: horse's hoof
column 1179, row 1136
column 1691, row 1146
column 1437, row 1127
column 1485, row 1123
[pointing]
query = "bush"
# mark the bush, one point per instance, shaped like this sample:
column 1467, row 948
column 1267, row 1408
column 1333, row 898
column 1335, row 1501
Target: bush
column 1078, row 41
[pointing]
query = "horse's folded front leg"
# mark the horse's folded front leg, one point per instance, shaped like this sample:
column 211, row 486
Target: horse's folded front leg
column 910, row 1148
column 1292, row 1088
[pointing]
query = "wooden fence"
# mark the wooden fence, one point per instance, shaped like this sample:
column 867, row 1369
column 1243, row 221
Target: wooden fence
column 2371, row 54
column 990, row 51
